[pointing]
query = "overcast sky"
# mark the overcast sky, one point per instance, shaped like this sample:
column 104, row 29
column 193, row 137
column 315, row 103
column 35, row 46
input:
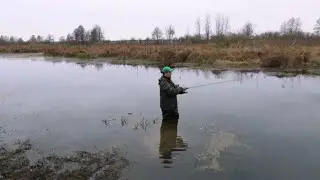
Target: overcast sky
column 122, row 19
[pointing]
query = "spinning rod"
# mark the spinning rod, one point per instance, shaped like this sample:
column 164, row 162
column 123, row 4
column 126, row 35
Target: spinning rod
column 192, row 87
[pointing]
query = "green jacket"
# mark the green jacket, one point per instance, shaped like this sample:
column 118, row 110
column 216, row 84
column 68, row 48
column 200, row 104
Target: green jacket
column 168, row 94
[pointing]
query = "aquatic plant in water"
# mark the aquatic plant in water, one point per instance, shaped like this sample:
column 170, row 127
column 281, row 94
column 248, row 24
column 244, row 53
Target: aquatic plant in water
column 15, row 164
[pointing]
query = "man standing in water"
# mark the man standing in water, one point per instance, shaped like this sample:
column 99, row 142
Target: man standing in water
column 168, row 95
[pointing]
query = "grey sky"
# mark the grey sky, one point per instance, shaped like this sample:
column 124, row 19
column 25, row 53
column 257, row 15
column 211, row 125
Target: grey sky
column 136, row 18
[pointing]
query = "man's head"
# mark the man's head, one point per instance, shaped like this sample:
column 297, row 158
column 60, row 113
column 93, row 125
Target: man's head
column 166, row 71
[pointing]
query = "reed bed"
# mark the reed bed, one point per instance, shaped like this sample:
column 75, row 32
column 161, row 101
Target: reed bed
column 264, row 56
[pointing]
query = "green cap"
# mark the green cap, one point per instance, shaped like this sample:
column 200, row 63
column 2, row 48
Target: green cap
column 166, row 69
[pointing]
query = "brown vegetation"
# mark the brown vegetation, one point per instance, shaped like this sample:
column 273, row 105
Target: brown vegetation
column 289, row 48
column 265, row 56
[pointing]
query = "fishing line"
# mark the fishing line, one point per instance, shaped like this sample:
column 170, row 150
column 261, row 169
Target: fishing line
column 210, row 84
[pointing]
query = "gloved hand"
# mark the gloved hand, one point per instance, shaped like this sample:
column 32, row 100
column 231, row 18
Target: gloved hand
column 184, row 90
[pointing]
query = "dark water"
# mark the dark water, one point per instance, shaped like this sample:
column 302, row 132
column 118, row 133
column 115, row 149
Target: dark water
column 258, row 127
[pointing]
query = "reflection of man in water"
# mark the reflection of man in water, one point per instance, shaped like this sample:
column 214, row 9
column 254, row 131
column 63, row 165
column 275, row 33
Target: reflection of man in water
column 170, row 141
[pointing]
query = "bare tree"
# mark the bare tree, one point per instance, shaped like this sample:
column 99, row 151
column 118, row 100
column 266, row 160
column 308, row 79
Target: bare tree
column 49, row 39
column 70, row 38
column 62, row 39
column 79, row 34
column 13, row 39
column 247, row 29
column 20, row 40
column 290, row 27
column 222, row 25
column 187, row 35
column 170, row 32
column 2, row 41
column 39, row 39
column 96, row 34
column 157, row 34
column 283, row 28
column 33, row 39
column 198, row 28
column 87, row 36
column 207, row 27
column 317, row 27
column 6, row 38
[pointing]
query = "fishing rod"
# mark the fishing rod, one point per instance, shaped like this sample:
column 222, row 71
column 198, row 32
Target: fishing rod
column 210, row 84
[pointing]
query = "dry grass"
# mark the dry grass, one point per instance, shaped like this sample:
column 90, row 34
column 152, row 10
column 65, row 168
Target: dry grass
column 266, row 56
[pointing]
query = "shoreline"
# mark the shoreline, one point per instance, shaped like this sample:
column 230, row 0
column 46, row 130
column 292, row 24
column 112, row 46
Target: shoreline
column 282, row 60
column 280, row 72
column 273, row 71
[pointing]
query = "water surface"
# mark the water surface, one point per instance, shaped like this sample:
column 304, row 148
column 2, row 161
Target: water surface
column 258, row 127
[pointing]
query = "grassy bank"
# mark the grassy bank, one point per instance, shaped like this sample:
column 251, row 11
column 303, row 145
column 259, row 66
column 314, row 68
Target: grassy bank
column 233, row 56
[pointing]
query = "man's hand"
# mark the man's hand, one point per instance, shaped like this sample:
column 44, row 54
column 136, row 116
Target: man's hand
column 184, row 90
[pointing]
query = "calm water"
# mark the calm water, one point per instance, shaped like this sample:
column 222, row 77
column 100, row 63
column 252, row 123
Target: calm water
column 258, row 127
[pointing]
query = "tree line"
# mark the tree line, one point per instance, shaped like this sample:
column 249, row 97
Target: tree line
column 205, row 31
column 79, row 36
column 221, row 28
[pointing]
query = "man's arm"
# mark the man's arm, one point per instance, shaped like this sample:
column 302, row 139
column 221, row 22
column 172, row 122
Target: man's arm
column 171, row 90
column 181, row 89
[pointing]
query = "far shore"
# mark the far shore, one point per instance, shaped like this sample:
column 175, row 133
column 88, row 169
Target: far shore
column 288, row 59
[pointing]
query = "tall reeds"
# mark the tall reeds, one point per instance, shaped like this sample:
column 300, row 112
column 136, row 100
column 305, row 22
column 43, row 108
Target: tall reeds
column 266, row 56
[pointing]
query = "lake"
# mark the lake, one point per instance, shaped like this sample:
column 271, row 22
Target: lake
column 257, row 127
